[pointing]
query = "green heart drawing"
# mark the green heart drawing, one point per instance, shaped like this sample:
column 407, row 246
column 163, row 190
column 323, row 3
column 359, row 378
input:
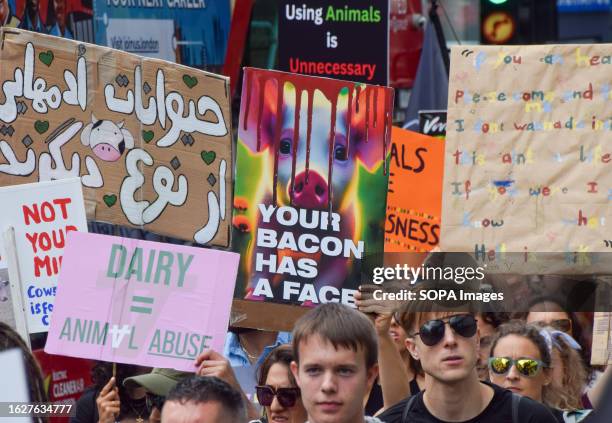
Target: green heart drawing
column 147, row 136
column 41, row 126
column 110, row 200
column 46, row 58
column 190, row 81
column 208, row 156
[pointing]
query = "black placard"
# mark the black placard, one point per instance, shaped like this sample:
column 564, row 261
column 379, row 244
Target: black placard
column 336, row 39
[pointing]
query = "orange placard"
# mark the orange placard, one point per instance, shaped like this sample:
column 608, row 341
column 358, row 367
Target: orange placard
column 414, row 199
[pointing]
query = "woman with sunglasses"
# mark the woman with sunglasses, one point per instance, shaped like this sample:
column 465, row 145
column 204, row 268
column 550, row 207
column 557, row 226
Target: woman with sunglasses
column 277, row 391
column 521, row 361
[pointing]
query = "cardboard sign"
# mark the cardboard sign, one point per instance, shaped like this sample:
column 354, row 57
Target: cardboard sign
column 65, row 378
column 333, row 39
column 42, row 215
column 310, row 193
column 193, row 33
column 433, row 123
column 141, row 302
column 414, row 199
column 526, row 168
column 150, row 139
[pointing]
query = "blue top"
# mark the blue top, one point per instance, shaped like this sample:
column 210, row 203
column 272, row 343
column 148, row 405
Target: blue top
column 233, row 351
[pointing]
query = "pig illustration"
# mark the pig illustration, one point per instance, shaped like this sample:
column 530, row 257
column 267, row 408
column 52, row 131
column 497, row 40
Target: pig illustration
column 317, row 137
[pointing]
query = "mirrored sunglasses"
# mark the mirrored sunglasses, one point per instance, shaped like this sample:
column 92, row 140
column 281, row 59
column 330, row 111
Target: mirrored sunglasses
column 528, row 367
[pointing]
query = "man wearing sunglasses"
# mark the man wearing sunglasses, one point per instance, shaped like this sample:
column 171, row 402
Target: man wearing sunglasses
column 446, row 343
column 335, row 363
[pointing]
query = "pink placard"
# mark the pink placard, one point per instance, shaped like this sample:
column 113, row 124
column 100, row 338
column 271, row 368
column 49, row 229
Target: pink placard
column 140, row 302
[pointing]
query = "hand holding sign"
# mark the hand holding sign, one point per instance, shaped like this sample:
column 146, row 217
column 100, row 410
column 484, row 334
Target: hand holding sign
column 108, row 402
column 211, row 363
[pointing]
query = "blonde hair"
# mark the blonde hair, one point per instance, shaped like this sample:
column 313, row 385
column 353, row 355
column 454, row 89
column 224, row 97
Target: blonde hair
column 567, row 393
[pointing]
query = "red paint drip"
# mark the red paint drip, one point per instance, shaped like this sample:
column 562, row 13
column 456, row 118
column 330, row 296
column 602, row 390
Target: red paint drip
column 279, row 121
column 296, row 138
column 358, row 91
column 309, row 130
column 388, row 126
column 249, row 82
column 332, row 141
column 262, row 87
column 375, row 105
column 367, row 116
column 349, row 119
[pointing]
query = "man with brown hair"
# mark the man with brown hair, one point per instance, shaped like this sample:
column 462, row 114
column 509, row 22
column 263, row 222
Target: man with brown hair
column 335, row 363
column 444, row 338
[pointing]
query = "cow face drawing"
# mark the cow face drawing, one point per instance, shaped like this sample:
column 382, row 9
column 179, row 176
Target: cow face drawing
column 107, row 140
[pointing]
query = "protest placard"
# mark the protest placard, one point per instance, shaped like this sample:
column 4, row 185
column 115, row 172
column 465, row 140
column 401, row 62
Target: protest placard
column 41, row 214
column 141, row 302
column 334, row 39
column 150, row 139
column 526, row 168
column 414, row 198
column 310, row 192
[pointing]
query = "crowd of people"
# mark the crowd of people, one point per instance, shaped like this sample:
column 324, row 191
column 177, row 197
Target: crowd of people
column 419, row 363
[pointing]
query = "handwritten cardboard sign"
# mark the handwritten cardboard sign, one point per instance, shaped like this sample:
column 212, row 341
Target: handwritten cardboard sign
column 150, row 139
column 309, row 204
column 414, row 199
column 527, row 168
column 141, row 302
column 42, row 214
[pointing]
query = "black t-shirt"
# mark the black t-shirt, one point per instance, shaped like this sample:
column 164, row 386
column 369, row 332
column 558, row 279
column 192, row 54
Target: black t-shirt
column 375, row 400
column 499, row 410
column 86, row 408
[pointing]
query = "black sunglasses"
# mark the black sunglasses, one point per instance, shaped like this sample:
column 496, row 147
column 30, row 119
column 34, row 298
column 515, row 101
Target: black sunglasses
column 287, row 397
column 432, row 331
column 155, row 401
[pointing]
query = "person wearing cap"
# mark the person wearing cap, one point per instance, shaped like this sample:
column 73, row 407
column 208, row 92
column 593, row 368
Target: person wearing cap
column 157, row 384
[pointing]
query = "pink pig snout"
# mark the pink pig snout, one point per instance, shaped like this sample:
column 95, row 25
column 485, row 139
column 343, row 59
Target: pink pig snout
column 106, row 152
column 312, row 194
